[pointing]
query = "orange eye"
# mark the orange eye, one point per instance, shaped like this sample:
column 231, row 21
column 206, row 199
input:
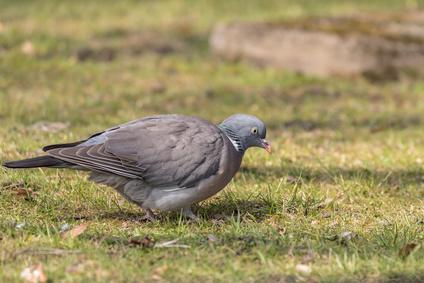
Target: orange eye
column 254, row 131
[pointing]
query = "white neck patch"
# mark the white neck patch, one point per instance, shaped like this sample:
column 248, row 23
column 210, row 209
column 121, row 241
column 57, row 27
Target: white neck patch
column 236, row 146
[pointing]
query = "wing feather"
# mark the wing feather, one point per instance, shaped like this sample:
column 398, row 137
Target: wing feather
column 164, row 151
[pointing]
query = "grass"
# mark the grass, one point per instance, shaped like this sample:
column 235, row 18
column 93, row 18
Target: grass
column 342, row 192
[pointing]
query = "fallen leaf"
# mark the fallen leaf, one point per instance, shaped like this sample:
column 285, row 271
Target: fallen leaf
column 407, row 249
column 34, row 274
column 28, row 194
column 21, row 192
column 145, row 241
column 304, row 269
column 75, row 232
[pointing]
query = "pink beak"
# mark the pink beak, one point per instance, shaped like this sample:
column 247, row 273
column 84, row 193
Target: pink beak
column 266, row 145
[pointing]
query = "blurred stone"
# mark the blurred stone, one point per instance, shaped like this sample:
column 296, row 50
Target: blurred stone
column 375, row 46
column 303, row 269
column 28, row 48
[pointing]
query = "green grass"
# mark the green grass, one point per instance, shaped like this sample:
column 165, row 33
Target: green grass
column 348, row 153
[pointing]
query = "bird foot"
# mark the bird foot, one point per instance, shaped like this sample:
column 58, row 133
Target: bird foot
column 149, row 216
column 187, row 212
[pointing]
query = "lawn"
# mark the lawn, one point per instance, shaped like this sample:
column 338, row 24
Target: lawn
column 339, row 199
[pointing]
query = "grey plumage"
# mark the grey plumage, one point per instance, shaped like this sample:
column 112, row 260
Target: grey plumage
column 165, row 162
column 39, row 161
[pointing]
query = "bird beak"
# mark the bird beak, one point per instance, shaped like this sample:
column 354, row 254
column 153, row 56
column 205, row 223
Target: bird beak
column 266, row 145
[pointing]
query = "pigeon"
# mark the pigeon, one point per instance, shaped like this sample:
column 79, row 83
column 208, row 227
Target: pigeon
column 163, row 162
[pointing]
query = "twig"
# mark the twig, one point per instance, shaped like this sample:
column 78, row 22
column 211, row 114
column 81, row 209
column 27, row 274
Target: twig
column 171, row 244
column 43, row 251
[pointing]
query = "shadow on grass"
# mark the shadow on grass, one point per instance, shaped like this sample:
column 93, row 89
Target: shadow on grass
column 295, row 173
column 133, row 44
column 395, row 278
column 231, row 207
column 373, row 125
column 223, row 210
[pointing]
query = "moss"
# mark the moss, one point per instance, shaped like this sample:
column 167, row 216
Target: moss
column 348, row 26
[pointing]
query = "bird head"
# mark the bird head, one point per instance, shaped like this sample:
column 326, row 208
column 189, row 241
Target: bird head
column 245, row 131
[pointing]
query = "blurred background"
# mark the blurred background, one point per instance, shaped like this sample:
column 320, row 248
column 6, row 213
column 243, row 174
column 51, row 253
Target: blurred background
column 105, row 62
column 339, row 84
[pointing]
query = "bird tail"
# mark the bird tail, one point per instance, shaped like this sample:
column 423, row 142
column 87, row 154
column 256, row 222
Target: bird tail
column 40, row 161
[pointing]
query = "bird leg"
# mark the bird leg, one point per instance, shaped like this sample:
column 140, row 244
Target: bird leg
column 187, row 212
column 149, row 216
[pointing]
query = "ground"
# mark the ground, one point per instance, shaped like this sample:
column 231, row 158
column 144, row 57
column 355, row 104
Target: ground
column 339, row 199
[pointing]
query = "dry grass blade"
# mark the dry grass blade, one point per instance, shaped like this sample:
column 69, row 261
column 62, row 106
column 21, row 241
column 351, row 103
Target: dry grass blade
column 42, row 252
column 171, row 244
column 45, row 251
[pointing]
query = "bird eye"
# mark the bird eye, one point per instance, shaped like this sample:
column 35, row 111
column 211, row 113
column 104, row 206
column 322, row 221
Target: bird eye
column 254, row 130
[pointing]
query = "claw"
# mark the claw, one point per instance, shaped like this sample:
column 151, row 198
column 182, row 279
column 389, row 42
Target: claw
column 149, row 216
column 187, row 212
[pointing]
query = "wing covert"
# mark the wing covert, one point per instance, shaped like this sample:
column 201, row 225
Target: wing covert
column 164, row 151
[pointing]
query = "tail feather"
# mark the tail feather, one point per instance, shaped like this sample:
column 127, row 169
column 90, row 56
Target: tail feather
column 62, row 145
column 40, row 161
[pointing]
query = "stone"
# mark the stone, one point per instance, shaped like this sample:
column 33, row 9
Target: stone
column 367, row 45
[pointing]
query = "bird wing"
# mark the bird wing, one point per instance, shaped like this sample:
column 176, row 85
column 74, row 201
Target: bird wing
column 164, row 151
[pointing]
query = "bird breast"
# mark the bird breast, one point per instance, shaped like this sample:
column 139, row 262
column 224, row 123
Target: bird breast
column 179, row 198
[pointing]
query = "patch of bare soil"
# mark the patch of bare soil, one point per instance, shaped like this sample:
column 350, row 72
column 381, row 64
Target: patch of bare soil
column 132, row 44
